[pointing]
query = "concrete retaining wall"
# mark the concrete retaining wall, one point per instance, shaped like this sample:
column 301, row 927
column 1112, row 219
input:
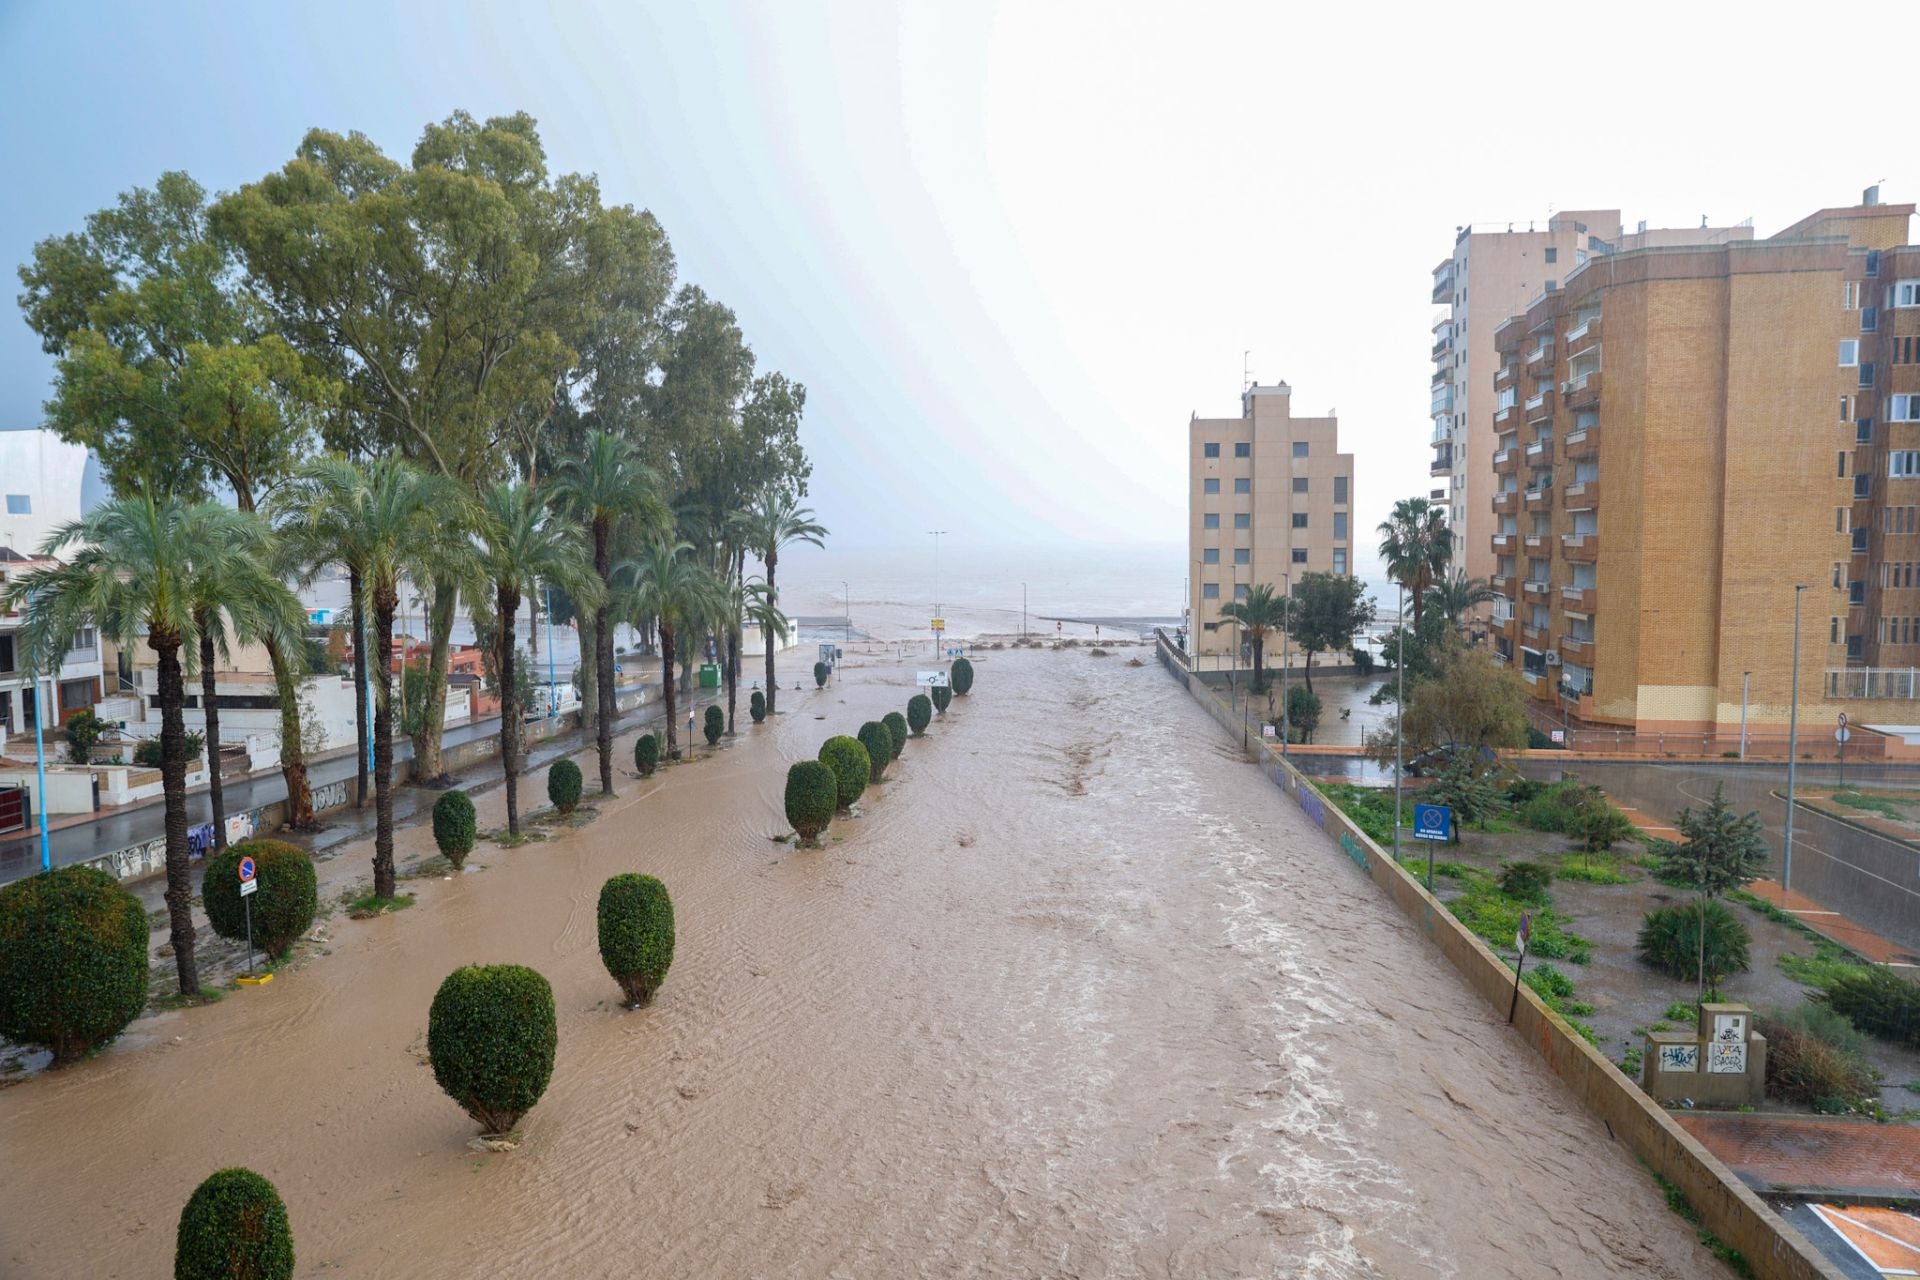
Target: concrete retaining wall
column 1725, row 1205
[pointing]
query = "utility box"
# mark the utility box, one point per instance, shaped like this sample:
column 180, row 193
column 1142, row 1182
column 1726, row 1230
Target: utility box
column 1721, row 1061
column 709, row 675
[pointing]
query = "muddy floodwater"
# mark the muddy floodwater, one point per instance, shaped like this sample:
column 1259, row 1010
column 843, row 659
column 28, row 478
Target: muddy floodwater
column 1078, row 994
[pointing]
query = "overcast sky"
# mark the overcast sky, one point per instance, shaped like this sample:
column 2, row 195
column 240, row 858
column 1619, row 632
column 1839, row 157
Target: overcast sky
column 1009, row 248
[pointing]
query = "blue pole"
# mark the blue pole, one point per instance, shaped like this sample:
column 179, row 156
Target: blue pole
column 553, row 685
column 40, row 767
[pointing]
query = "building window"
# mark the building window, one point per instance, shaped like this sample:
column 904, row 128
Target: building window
column 1211, row 520
column 1840, row 519
column 1299, row 448
column 76, row 695
column 1210, row 555
column 1553, row 255
column 1863, row 430
column 1339, row 490
column 1299, row 484
column 1210, row 626
column 1299, row 555
column 1241, row 520
column 1243, row 555
column 1907, row 293
column 1866, row 374
column 1242, row 484
column 1299, row 519
column 1210, row 450
column 1340, row 563
column 1239, row 591
column 1903, row 464
column 19, row 504
column 1850, row 295
column 1210, row 485
column 1862, row 485
column 1833, row 631
column 1339, row 526
column 1849, row 352
column 1209, row 591
column 1845, row 403
column 1243, row 450
column 1873, row 262
column 1903, row 408
column 1842, row 464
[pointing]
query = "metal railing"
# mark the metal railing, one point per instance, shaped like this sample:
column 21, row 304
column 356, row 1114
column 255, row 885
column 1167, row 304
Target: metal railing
column 1873, row 682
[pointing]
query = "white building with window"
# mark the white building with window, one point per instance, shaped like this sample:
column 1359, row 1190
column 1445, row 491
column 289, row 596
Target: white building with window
column 41, row 477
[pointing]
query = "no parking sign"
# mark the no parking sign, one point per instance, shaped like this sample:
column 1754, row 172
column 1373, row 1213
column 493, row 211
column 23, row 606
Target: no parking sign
column 1432, row 822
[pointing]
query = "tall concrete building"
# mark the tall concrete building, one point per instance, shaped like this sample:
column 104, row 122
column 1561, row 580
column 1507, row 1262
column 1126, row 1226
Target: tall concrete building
column 1270, row 497
column 1683, row 433
column 1490, row 275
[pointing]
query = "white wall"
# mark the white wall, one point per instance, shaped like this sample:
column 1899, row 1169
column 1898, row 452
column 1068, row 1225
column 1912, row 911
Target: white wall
column 47, row 471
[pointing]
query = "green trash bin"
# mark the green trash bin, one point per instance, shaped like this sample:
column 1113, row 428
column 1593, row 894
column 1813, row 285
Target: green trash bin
column 709, row 675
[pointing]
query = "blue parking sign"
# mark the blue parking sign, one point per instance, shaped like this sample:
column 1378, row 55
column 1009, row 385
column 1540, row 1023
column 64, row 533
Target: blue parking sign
column 1432, row 822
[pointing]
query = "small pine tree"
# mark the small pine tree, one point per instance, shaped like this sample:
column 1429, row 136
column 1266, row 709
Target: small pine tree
column 919, row 713
column 1722, row 850
column 820, row 673
column 897, row 729
column 563, row 785
column 454, row 826
column 646, row 754
column 879, row 744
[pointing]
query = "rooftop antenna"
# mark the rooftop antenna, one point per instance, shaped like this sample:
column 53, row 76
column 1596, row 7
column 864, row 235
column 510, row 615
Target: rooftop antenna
column 1246, row 363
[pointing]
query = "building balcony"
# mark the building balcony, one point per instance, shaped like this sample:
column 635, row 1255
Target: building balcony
column 1540, row 499
column 1506, row 462
column 1584, row 443
column 1574, row 649
column 1583, row 337
column 1503, row 583
column 1507, row 333
column 1504, row 378
column 1536, row 592
column 1443, row 348
column 1442, row 402
column 1436, row 495
column 1537, row 685
column 1509, row 627
column 1580, row 548
column 1540, row 360
column 1506, row 413
column 1583, row 391
column 1443, row 282
column 1579, row 599
column 1540, row 452
column 1578, row 703
column 1506, row 502
column 1442, row 460
column 1540, row 411
column 1503, row 543
column 1537, row 541
column 1533, row 637
column 1582, row 495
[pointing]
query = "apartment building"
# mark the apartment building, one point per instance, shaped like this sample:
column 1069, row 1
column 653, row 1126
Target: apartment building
column 1683, row 433
column 73, row 688
column 1491, row 274
column 1270, row 497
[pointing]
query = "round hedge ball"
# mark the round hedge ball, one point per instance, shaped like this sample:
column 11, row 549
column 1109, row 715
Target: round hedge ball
column 491, row 1036
column 646, row 754
column 715, row 723
column 73, row 960
column 757, row 706
column 919, row 713
column 563, row 785
column 850, row 764
column 879, row 744
column 234, row 1228
column 812, row 793
column 897, row 729
column 454, row 826
column 961, row 676
column 636, row 934
column 820, row 672
column 284, row 904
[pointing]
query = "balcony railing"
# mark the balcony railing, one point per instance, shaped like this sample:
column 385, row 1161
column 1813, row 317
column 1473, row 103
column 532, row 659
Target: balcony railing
column 1577, row 649
column 1873, row 682
column 1442, row 460
column 1503, row 543
column 1540, row 355
column 1503, row 583
column 1579, row 599
column 1541, row 413
column 1443, row 401
column 1506, row 462
column 1583, row 442
column 1535, row 401
column 1582, row 495
column 1506, row 502
column 1583, row 390
column 1537, row 590
column 1580, row 548
column 1533, row 637
column 1537, row 541
column 1540, row 452
column 1540, row 499
column 1503, row 378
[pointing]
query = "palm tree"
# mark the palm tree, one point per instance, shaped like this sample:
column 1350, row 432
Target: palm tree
column 608, row 490
column 667, row 583
column 522, row 545
column 139, row 567
column 1458, row 593
column 762, row 612
column 387, row 521
column 775, row 521
column 1417, row 546
column 1259, row 612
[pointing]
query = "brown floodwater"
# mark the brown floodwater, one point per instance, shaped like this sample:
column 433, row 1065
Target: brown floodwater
column 1078, row 994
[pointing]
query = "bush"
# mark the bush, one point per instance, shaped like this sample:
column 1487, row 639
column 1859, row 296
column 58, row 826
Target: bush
column 1814, row 1055
column 812, row 793
column 563, row 785
column 83, row 731
column 820, row 673
column 850, row 764
column 636, row 934
column 454, row 826
column 942, row 698
column 491, row 1035
column 960, row 676
column 1303, row 712
column 897, row 729
column 1880, row 1002
column 1495, row 917
column 1560, row 807
column 757, row 706
column 1362, row 660
column 1602, row 827
column 234, row 1228
column 879, row 744
column 646, row 754
column 919, row 713
column 73, row 960
column 284, row 904
column 715, row 723
column 1527, row 881
column 1538, row 741
column 1468, row 789
column 147, row 754
column 1670, row 941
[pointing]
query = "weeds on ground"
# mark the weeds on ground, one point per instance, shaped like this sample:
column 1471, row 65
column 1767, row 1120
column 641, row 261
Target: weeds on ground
column 1887, row 806
column 1557, row 991
column 1370, row 808
column 208, row 995
column 1592, row 868
column 1829, row 963
column 1495, row 916
column 1630, row 1061
column 369, row 905
column 1680, row 1011
column 1677, row 1201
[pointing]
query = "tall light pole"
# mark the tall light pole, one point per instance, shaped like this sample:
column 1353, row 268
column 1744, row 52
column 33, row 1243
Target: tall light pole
column 40, row 768
column 553, row 683
column 1286, row 662
column 1745, row 678
column 846, row 609
column 935, row 533
column 1400, row 704
column 1023, row 611
column 1793, row 745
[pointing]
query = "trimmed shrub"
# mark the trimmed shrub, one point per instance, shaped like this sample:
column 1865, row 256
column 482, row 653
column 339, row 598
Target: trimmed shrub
column 1815, row 1056
column 919, row 713
column 83, row 731
column 147, row 753
column 1527, row 881
column 563, row 785
column 1670, row 941
column 757, row 706
column 850, row 764
column 812, row 792
column 284, row 904
column 1602, row 827
column 234, row 1228
column 1880, row 1002
column 636, row 934
column 897, row 729
column 715, row 723
column 942, row 698
column 960, row 676
column 820, row 672
column 491, row 1035
column 879, row 744
column 454, row 826
column 73, row 960
column 646, row 754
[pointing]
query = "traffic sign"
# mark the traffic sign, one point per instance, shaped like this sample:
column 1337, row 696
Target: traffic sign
column 939, row 624
column 1842, row 734
column 248, row 886
column 246, row 870
column 1432, row 822
column 931, row 679
column 1525, row 935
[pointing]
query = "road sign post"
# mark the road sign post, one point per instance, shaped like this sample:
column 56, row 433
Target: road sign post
column 1520, row 941
column 247, row 885
column 1434, row 824
column 1840, row 735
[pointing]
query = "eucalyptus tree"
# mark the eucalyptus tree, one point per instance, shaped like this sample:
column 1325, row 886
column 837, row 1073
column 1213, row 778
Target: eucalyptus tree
column 137, row 569
column 1416, row 546
column 607, row 490
column 775, row 521
column 389, row 522
column 522, row 544
column 666, row 582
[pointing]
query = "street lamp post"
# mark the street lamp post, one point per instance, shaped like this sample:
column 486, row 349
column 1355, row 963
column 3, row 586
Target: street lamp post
column 846, row 609
column 1286, row 664
column 935, row 533
column 40, row 768
column 1400, row 709
column 553, row 682
column 1793, row 745
column 1745, row 678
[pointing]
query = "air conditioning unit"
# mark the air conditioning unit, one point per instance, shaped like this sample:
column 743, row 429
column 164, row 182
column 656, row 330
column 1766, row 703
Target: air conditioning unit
column 1553, row 659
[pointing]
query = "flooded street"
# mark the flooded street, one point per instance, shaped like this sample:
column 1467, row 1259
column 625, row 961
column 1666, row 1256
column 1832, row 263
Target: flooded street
column 1080, row 994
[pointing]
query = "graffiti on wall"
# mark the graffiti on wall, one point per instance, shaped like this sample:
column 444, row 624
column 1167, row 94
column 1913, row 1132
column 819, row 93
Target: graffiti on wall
column 330, row 795
column 1355, row 850
column 1314, row 806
